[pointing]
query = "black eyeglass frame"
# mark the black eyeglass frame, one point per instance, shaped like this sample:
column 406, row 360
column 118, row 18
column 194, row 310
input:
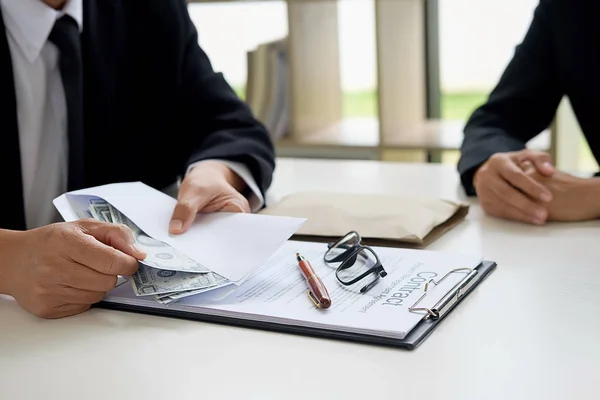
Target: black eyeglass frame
column 348, row 258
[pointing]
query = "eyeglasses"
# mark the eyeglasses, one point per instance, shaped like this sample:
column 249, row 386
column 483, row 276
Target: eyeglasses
column 356, row 262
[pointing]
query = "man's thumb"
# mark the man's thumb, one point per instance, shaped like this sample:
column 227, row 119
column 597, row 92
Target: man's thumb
column 184, row 214
column 116, row 236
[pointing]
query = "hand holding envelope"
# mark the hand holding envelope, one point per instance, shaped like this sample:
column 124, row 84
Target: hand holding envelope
column 164, row 273
column 230, row 245
column 209, row 186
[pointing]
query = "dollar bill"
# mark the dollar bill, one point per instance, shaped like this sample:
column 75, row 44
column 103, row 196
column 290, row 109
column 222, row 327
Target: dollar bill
column 178, row 296
column 168, row 298
column 166, row 274
column 159, row 297
column 99, row 209
column 106, row 216
column 115, row 215
column 160, row 255
column 149, row 281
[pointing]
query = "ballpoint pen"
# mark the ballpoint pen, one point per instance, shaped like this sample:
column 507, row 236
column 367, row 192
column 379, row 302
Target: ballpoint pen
column 317, row 291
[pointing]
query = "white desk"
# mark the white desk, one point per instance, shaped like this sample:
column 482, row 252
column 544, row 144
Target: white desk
column 530, row 331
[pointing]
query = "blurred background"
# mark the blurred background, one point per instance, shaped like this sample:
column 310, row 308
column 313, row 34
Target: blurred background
column 373, row 61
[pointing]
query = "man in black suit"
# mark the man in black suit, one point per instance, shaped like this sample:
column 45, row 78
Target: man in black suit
column 559, row 56
column 103, row 91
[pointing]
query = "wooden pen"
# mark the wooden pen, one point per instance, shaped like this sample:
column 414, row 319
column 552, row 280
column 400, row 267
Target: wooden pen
column 317, row 290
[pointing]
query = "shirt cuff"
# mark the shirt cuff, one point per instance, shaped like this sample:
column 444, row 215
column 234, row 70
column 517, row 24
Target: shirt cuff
column 255, row 198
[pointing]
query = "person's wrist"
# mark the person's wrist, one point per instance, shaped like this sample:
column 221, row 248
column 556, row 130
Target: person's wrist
column 476, row 173
column 234, row 179
column 9, row 250
column 591, row 196
column 223, row 169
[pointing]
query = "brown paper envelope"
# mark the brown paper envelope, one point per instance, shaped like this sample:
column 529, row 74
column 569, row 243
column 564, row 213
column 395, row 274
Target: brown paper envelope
column 385, row 220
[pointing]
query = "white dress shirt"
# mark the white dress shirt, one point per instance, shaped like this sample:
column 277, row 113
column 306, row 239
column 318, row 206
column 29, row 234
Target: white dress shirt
column 42, row 110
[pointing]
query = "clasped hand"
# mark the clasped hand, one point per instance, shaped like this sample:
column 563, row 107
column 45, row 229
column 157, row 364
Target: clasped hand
column 524, row 186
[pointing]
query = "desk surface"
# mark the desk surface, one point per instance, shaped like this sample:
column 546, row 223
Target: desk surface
column 529, row 332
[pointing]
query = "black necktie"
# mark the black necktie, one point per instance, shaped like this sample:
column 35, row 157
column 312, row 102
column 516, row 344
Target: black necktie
column 65, row 36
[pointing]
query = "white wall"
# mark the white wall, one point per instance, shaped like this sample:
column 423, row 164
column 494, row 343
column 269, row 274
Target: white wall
column 477, row 38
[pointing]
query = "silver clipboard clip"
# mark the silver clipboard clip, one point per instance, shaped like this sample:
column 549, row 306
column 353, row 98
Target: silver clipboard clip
column 450, row 298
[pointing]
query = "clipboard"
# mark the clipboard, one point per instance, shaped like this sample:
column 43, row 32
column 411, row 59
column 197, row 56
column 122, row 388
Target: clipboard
column 432, row 317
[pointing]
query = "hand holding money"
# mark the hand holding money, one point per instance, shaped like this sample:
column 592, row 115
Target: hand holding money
column 62, row 269
column 165, row 273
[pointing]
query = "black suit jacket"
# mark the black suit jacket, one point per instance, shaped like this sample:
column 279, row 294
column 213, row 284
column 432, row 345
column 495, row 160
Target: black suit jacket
column 153, row 104
column 559, row 56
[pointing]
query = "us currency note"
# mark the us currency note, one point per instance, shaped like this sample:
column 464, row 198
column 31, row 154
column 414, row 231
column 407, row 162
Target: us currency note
column 174, row 297
column 163, row 296
column 99, row 209
column 168, row 298
column 160, row 255
column 106, row 216
column 115, row 215
column 166, row 274
column 149, row 281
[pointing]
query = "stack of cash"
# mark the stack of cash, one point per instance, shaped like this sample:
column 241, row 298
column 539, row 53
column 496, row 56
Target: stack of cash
column 166, row 274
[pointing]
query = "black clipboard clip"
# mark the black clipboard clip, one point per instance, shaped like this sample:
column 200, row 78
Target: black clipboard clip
column 450, row 298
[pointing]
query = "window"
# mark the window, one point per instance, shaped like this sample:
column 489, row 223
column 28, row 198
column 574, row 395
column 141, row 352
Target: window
column 477, row 39
column 358, row 57
column 228, row 31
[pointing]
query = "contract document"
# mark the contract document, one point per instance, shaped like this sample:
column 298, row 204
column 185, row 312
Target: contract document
column 276, row 293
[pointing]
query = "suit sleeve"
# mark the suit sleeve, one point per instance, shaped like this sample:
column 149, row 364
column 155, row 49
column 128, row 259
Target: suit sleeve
column 216, row 123
column 522, row 104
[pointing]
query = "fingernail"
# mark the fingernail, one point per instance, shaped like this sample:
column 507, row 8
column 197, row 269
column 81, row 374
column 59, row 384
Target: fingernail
column 548, row 165
column 546, row 197
column 539, row 217
column 138, row 250
column 176, row 225
column 540, row 214
column 538, row 221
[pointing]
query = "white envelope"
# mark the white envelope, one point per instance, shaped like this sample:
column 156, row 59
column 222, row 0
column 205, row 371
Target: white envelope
column 230, row 244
